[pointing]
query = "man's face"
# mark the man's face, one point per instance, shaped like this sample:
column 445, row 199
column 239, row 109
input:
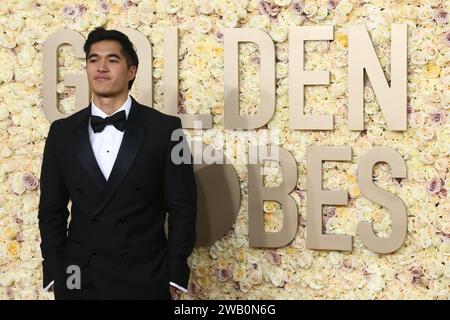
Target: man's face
column 107, row 70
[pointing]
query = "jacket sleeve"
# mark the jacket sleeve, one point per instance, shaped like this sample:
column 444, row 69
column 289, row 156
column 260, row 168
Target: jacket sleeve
column 180, row 199
column 53, row 211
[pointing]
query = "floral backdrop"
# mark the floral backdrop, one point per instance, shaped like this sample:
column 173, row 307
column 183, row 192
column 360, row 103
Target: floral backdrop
column 229, row 269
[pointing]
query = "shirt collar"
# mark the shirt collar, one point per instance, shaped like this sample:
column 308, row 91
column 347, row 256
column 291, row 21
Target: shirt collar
column 96, row 111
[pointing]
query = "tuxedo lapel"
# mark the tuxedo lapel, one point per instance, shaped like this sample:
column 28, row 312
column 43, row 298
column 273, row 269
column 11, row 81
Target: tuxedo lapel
column 132, row 140
column 85, row 152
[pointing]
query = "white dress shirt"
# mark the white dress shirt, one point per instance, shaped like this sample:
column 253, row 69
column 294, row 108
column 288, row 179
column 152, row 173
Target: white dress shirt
column 105, row 145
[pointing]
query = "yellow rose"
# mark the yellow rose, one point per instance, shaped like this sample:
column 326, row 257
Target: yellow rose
column 239, row 272
column 13, row 249
column 433, row 70
column 11, row 231
column 342, row 39
column 354, row 191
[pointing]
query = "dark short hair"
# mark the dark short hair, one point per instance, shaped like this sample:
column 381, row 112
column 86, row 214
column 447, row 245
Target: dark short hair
column 128, row 50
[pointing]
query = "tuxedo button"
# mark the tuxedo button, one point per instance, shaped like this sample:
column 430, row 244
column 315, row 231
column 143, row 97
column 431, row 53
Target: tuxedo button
column 124, row 221
column 93, row 253
column 124, row 255
column 94, row 220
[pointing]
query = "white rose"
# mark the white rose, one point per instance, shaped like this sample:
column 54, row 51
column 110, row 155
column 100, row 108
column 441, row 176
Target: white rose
column 441, row 164
column 376, row 283
column 206, row 6
column 133, row 17
column 310, row 9
column 368, row 94
column 8, row 41
column 16, row 184
column 425, row 13
column 279, row 33
column 6, row 279
column 6, row 73
column 344, row 7
column 4, row 113
column 146, row 14
column 281, row 69
column 283, row 3
column 203, row 24
column 337, row 89
column 304, row 260
column 322, row 13
column 260, row 21
column 277, row 276
column 230, row 19
column 335, row 258
column 15, row 22
column 171, row 6
column 25, row 56
column 429, row 50
column 67, row 105
column 436, row 269
column 315, row 282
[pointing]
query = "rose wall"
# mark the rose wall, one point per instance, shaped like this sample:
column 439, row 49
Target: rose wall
column 229, row 269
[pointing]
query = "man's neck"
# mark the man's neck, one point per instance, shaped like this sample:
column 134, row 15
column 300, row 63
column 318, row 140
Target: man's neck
column 109, row 105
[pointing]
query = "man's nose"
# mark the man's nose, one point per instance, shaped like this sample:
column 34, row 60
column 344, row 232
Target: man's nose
column 103, row 65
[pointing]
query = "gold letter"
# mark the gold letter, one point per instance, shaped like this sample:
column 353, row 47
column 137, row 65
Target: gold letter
column 362, row 56
column 257, row 193
column 388, row 200
column 316, row 197
column 298, row 78
column 50, row 65
column 232, row 118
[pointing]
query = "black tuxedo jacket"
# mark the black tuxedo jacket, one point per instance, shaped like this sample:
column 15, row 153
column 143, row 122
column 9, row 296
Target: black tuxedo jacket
column 116, row 229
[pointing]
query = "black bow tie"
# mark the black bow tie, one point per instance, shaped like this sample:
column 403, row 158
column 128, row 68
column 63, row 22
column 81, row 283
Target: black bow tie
column 118, row 120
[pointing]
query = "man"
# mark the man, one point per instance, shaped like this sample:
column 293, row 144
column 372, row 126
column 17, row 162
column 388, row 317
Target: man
column 114, row 161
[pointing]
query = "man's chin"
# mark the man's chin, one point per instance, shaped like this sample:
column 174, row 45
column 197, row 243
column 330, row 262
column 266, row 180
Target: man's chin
column 104, row 94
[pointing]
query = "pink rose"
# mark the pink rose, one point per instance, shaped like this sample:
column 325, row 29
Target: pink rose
column 348, row 264
column 441, row 16
column 223, row 275
column 434, row 186
column 437, row 117
column 104, row 6
column 298, row 7
column 268, row 9
column 273, row 257
column 417, row 273
column 328, row 212
column 193, row 289
column 332, row 4
column 447, row 38
column 219, row 36
column 443, row 193
column 74, row 10
column 30, row 182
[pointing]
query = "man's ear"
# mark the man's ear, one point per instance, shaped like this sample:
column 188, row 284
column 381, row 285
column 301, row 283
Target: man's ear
column 132, row 73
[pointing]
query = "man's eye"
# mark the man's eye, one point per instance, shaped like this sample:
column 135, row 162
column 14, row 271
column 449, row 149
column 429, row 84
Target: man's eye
column 112, row 60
